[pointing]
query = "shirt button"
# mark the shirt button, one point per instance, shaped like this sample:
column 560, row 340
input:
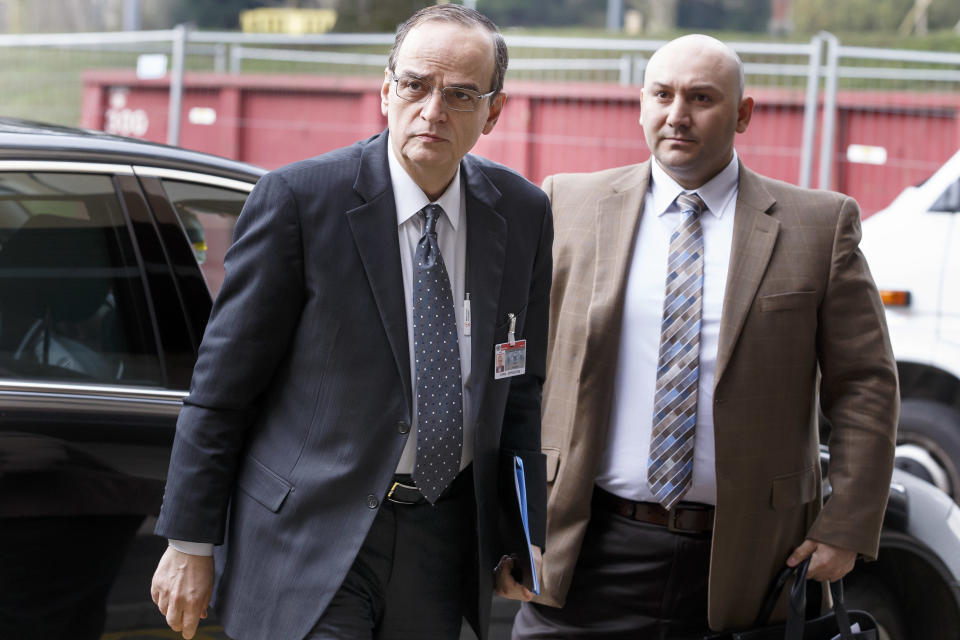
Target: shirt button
column 372, row 501
column 403, row 427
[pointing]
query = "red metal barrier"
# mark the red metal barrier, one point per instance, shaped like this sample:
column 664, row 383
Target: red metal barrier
column 546, row 128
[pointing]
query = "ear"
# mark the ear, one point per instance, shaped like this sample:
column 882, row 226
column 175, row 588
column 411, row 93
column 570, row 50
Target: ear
column 496, row 106
column 385, row 92
column 640, row 117
column 744, row 113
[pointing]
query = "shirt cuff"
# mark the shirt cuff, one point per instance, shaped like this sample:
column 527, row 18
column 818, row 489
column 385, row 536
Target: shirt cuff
column 192, row 548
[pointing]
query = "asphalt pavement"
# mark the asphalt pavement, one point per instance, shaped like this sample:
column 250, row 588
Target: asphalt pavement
column 501, row 621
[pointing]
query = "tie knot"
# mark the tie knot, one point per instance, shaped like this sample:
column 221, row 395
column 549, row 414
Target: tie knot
column 431, row 213
column 690, row 203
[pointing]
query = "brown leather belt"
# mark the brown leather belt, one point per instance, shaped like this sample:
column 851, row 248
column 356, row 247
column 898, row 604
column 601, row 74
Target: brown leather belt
column 684, row 517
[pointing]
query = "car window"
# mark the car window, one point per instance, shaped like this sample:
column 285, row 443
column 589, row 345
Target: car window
column 72, row 302
column 949, row 200
column 207, row 215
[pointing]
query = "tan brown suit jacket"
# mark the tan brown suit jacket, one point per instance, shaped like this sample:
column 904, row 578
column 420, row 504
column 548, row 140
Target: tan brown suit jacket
column 799, row 299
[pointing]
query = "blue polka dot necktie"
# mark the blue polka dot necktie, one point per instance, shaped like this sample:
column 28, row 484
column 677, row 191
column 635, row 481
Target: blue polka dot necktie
column 670, row 466
column 439, row 394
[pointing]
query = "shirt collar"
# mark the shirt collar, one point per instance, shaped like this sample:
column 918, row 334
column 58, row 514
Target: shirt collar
column 410, row 198
column 716, row 193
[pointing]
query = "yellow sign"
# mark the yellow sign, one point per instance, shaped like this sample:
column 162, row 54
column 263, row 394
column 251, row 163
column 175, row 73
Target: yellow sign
column 287, row 20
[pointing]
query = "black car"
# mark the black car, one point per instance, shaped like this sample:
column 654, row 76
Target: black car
column 111, row 251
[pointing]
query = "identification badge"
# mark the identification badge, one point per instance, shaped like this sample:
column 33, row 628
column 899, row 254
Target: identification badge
column 509, row 359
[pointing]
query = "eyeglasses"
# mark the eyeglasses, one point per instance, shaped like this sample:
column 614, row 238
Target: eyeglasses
column 413, row 89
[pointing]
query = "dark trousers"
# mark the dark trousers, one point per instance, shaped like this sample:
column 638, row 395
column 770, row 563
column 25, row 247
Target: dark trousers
column 415, row 575
column 632, row 581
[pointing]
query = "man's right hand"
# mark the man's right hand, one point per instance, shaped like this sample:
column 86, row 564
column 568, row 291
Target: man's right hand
column 181, row 589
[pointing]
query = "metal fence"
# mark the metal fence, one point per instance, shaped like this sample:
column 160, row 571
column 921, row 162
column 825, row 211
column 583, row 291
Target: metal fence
column 849, row 116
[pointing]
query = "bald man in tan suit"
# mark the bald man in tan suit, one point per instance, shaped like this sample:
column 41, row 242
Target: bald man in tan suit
column 786, row 309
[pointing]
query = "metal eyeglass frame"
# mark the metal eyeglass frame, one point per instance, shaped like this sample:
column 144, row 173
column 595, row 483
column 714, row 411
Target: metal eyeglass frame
column 443, row 93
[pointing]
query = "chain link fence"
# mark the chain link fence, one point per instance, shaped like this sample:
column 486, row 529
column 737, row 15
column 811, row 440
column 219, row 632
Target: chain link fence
column 865, row 121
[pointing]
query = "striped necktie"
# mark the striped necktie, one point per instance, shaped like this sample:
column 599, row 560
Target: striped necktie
column 670, row 466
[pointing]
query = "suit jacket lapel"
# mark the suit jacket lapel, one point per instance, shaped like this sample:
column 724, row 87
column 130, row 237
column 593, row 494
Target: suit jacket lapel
column 486, row 253
column 374, row 227
column 617, row 217
column 754, row 236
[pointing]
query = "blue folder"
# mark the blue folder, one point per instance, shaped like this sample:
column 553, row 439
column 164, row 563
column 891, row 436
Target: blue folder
column 520, row 484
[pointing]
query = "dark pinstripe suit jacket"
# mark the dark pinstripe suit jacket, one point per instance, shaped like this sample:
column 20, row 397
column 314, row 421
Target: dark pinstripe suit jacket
column 289, row 436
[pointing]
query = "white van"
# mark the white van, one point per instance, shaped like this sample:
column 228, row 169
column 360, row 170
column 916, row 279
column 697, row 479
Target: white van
column 913, row 248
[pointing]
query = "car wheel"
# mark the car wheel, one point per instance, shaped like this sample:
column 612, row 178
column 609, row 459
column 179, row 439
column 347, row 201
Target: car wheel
column 928, row 444
column 873, row 597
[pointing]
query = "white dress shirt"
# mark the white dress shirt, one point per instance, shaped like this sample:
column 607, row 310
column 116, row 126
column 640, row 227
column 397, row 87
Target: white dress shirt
column 623, row 467
column 452, row 237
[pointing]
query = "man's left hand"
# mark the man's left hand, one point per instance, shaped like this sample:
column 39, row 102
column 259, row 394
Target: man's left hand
column 826, row 562
column 506, row 586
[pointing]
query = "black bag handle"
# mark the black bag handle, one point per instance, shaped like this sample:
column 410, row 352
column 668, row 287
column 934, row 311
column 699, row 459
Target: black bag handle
column 776, row 588
column 797, row 611
column 796, row 615
column 840, row 609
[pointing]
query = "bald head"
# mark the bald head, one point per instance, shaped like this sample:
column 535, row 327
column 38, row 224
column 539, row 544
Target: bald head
column 692, row 106
column 722, row 58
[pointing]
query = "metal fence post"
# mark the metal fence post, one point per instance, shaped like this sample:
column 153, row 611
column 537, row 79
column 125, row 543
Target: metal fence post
column 829, row 109
column 639, row 67
column 220, row 57
column 236, row 58
column 810, row 108
column 132, row 15
column 615, row 15
column 626, row 69
column 178, row 47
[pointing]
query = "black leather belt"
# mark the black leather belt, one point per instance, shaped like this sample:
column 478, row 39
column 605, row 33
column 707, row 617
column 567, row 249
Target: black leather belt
column 401, row 493
column 403, row 490
column 684, row 517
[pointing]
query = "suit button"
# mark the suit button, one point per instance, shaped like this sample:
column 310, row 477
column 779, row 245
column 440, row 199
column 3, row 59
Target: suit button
column 403, row 427
column 372, row 501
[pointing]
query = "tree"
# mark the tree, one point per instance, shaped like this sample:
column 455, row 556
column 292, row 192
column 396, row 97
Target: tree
column 868, row 15
column 376, row 15
column 216, row 14
column 732, row 15
column 944, row 14
column 531, row 13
